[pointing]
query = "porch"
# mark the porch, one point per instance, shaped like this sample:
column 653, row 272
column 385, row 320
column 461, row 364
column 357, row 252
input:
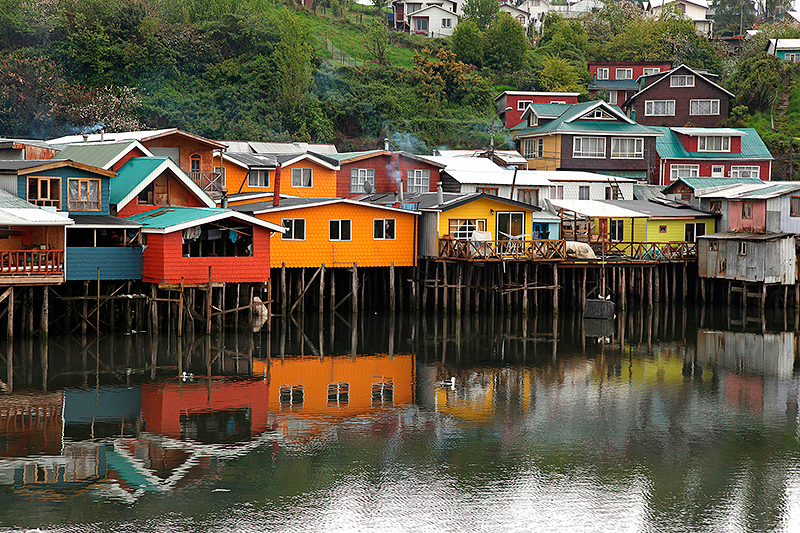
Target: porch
column 211, row 182
column 31, row 267
column 502, row 250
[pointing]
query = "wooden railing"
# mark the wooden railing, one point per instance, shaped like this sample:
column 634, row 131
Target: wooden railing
column 649, row 251
column 31, row 262
column 210, row 182
column 512, row 249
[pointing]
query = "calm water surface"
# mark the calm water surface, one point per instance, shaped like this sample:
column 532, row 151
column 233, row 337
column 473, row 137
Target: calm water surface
column 663, row 421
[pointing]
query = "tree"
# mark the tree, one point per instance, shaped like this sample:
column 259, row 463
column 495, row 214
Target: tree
column 293, row 57
column 563, row 37
column 377, row 41
column 505, row 44
column 559, row 75
column 755, row 83
column 731, row 17
column 468, row 42
column 380, row 6
column 483, row 12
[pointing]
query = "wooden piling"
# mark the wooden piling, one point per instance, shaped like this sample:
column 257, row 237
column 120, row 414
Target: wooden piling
column 10, row 317
column 392, row 292
column 45, row 318
column 284, row 297
column 555, row 288
column 354, row 298
column 322, row 289
column 208, row 303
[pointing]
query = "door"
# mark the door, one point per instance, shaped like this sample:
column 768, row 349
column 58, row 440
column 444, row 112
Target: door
column 510, row 225
column 694, row 230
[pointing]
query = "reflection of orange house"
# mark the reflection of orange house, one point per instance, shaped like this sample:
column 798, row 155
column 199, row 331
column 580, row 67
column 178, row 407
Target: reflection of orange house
column 338, row 232
column 31, row 424
column 175, row 409
column 337, row 387
column 251, row 177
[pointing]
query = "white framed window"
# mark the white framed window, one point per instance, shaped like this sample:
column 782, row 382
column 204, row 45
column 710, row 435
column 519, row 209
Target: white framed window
column 617, row 230
column 359, row 176
column 589, row 147
column 624, row 74
column 418, row 180
column 659, row 108
column 717, row 171
column 420, row 24
column 627, row 148
column 302, row 177
column 583, row 192
column 693, row 230
column 744, row 172
column 704, row 107
column 412, row 8
column 789, row 56
column 681, row 80
column 743, row 248
column 557, row 192
column 340, row 230
column 296, row 229
column 522, row 105
column 683, row 171
column 258, row 178
column 612, row 97
column 602, row 74
column 462, row 228
column 713, row 143
column 447, row 23
column 651, row 70
column 383, row 229
column 534, row 148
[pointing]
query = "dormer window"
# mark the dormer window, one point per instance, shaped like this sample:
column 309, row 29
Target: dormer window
column 681, row 80
column 713, row 143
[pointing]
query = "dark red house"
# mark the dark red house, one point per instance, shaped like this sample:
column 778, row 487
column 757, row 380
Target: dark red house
column 617, row 80
column 681, row 97
column 384, row 170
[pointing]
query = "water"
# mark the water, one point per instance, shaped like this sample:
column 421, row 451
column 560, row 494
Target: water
column 646, row 423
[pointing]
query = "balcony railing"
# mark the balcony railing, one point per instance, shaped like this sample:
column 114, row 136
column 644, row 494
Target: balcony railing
column 504, row 250
column 649, row 251
column 31, row 262
column 210, row 182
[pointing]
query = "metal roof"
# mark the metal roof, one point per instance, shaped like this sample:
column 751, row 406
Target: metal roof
column 659, row 210
column 500, row 177
column 102, row 155
column 103, row 221
column 731, row 236
column 571, row 121
column 750, row 191
column 346, row 157
column 252, row 160
column 706, row 183
column 24, row 164
column 669, row 146
column 254, row 147
column 138, row 172
column 170, row 219
column 615, row 85
column 15, row 211
column 579, row 175
column 597, row 209
column 128, row 135
column 303, row 203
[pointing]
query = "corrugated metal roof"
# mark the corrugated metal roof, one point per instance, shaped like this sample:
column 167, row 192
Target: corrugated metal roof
column 750, row 191
column 253, row 160
column 500, row 177
column 178, row 218
column 344, row 156
column 615, row 85
column 103, row 221
column 745, row 236
column 669, row 146
column 131, row 175
column 15, row 211
column 597, row 209
column 23, row 164
column 659, row 210
column 95, row 154
column 579, row 175
column 705, row 183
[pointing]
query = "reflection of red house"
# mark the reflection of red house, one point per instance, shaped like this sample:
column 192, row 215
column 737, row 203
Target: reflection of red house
column 745, row 389
column 174, row 409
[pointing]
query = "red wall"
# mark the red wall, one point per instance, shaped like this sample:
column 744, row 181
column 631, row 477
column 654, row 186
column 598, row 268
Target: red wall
column 514, row 115
column 705, row 168
column 163, row 261
column 133, row 153
column 387, row 170
column 638, row 68
column 691, row 143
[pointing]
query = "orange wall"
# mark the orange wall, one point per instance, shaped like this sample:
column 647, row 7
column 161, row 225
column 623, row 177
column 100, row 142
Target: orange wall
column 363, row 249
column 323, row 181
column 188, row 147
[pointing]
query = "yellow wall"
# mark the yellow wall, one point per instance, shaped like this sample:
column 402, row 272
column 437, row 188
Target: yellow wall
column 647, row 230
column 480, row 209
column 552, row 155
column 323, row 182
column 363, row 249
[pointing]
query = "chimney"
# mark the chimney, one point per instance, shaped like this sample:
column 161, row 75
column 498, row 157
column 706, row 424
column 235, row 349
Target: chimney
column 276, row 190
column 102, row 134
column 223, row 202
column 85, row 137
column 386, row 143
column 439, row 193
column 400, row 191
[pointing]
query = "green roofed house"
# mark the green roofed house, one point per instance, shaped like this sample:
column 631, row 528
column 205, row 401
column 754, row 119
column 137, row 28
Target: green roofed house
column 591, row 136
column 720, row 154
column 106, row 155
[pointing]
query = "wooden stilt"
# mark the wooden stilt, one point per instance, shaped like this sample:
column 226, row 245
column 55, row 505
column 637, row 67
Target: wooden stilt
column 354, row 298
column 208, row 304
column 85, row 309
column 180, row 309
column 459, row 288
column 321, row 291
column 332, row 306
column 284, row 296
column 392, row 291
column 555, row 289
column 622, row 295
column 526, row 266
column 10, row 325
column 45, row 318
column 153, row 309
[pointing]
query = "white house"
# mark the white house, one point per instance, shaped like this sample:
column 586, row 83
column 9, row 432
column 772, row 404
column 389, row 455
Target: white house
column 433, row 21
column 695, row 10
column 517, row 13
column 404, row 9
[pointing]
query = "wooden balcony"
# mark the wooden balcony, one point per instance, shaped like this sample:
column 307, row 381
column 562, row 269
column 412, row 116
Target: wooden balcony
column 504, row 250
column 210, row 182
column 647, row 251
column 31, row 267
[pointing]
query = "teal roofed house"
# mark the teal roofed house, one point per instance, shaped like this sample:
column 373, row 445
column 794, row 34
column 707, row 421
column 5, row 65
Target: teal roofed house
column 591, row 136
column 718, row 153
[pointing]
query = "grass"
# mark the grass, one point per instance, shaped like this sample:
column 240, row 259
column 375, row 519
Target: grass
column 350, row 34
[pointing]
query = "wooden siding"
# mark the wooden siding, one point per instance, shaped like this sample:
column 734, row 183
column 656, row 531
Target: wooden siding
column 757, row 224
column 551, row 152
column 65, row 173
column 169, row 191
column 363, row 249
column 163, row 261
column 770, row 262
column 115, row 263
column 682, row 96
column 388, row 170
column 648, row 229
column 626, row 167
column 323, row 181
column 705, row 168
column 187, row 147
column 482, row 210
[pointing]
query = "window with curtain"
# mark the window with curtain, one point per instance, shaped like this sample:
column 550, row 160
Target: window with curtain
column 83, row 194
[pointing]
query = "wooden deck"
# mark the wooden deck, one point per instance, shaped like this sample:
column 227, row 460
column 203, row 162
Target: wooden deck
column 31, row 267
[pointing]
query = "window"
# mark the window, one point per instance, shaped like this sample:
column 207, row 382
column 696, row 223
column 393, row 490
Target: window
column 583, row 192
column 612, row 97
column 147, row 196
column 510, row 225
column 383, row 390
column 602, row 74
column 359, row 176
column 617, row 230
column 662, row 229
column 461, row 228
column 418, row 180
column 296, row 229
column 83, row 194
column 339, row 230
column 743, row 248
column 194, row 161
column 713, row 246
column 45, row 191
column 218, row 240
column 717, row 171
column 494, row 191
column 694, row 230
column 291, row 395
column 529, row 196
column 624, row 148
column 258, row 178
column 534, row 148
column 683, row 171
column 681, row 80
column 716, row 206
column 420, row 24
column 794, row 206
column 557, row 192
column 624, row 74
column 447, row 23
column 704, row 107
column 652, row 70
column 302, row 177
column 744, row 172
column 522, row 105
column 590, row 147
column 383, row 229
column 747, row 210
column 659, row 108
column 413, row 8
column 713, row 143
column 795, row 57
column 338, row 393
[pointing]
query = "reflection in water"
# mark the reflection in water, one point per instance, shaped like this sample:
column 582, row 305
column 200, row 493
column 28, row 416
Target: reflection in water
column 644, row 422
